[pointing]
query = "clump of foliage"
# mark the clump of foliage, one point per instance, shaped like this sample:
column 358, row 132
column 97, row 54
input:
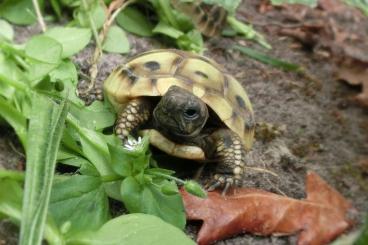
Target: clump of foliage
column 37, row 98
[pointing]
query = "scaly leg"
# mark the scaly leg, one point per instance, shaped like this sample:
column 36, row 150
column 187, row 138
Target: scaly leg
column 134, row 115
column 230, row 153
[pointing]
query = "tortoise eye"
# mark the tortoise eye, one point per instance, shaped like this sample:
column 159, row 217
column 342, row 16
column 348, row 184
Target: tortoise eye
column 191, row 113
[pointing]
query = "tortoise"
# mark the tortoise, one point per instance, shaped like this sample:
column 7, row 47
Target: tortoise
column 189, row 105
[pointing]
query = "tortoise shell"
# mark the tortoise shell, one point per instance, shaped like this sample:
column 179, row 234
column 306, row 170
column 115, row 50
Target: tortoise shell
column 153, row 73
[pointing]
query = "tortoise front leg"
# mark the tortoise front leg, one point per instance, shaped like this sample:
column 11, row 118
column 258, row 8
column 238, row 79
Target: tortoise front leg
column 135, row 114
column 230, row 153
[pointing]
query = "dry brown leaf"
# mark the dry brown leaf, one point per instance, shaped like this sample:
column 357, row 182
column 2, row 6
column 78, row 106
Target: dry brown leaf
column 334, row 29
column 319, row 218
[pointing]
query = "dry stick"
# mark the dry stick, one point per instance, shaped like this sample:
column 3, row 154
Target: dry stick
column 114, row 9
column 39, row 15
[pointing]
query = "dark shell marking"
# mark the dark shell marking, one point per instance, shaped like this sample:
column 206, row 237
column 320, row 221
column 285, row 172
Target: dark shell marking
column 152, row 65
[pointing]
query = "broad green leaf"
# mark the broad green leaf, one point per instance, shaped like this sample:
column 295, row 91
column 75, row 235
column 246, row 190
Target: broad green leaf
column 44, row 135
column 80, row 200
column 311, row 3
column 95, row 11
column 132, row 20
column 167, row 30
column 129, row 162
column 116, row 41
column 15, row 118
column 97, row 116
column 20, row 12
column 44, row 49
column 148, row 198
column 66, row 71
column 229, row 5
column 6, row 31
column 44, row 54
column 121, row 162
column 94, row 147
column 72, row 39
column 134, row 229
column 268, row 60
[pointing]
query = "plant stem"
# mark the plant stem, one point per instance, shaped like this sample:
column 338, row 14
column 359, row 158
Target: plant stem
column 168, row 177
column 39, row 15
column 100, row 38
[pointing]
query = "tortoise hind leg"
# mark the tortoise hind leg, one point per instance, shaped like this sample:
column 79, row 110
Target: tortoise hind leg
column 230, row 153
column 135, row 114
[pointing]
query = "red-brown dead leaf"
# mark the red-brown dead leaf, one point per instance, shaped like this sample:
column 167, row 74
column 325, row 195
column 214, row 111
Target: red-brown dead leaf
column 319, row 218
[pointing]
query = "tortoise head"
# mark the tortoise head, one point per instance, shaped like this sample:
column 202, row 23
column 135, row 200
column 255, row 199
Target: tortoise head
column 180, row 113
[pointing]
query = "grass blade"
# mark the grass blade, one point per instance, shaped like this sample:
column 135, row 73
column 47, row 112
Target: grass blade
column 44, row 135
column 286, row 66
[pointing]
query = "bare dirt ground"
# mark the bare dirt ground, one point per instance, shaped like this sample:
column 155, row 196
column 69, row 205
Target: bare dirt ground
column 324, row 131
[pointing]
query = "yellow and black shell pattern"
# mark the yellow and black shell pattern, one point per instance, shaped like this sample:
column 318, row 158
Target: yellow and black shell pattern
column 153, row 73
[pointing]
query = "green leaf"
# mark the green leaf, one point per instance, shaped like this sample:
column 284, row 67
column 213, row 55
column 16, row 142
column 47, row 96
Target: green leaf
column 195, row 189
column 80, row 200
column 66, row 72
column 268, row 60
column 191, row 41
column 247, row 31
column 9, row 70
column 10, row 198
column 44, row 135
column 11, row 205
column 134, row 229
column 15, row 118
column 94, row 147
column 148, row 198
column 116, row 41
column 44, row 54
column 167, row 30
column 129, row 162
column 97, row 116
column 20, row 12
column 121, row 162
column 311, row 3
column 72, row 39
column 44, row 49
column 6, row 31
column 132, row 20
column 97, row 13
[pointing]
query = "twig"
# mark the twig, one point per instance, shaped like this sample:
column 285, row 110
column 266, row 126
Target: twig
column 39, row 15
column 114, row 9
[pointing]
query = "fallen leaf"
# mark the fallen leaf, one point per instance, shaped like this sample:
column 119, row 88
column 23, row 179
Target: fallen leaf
column 319, row 218
column 332, row 29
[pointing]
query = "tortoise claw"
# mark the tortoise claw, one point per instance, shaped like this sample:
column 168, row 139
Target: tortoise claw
column 224, row 181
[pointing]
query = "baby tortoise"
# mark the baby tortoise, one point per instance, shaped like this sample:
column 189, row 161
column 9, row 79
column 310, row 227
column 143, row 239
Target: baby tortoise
column 189, row 106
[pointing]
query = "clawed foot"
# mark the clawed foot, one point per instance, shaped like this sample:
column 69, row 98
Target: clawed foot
column 223, row 181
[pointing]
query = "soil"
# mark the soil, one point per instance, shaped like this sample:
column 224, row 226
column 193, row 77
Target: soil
column 323, row 131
